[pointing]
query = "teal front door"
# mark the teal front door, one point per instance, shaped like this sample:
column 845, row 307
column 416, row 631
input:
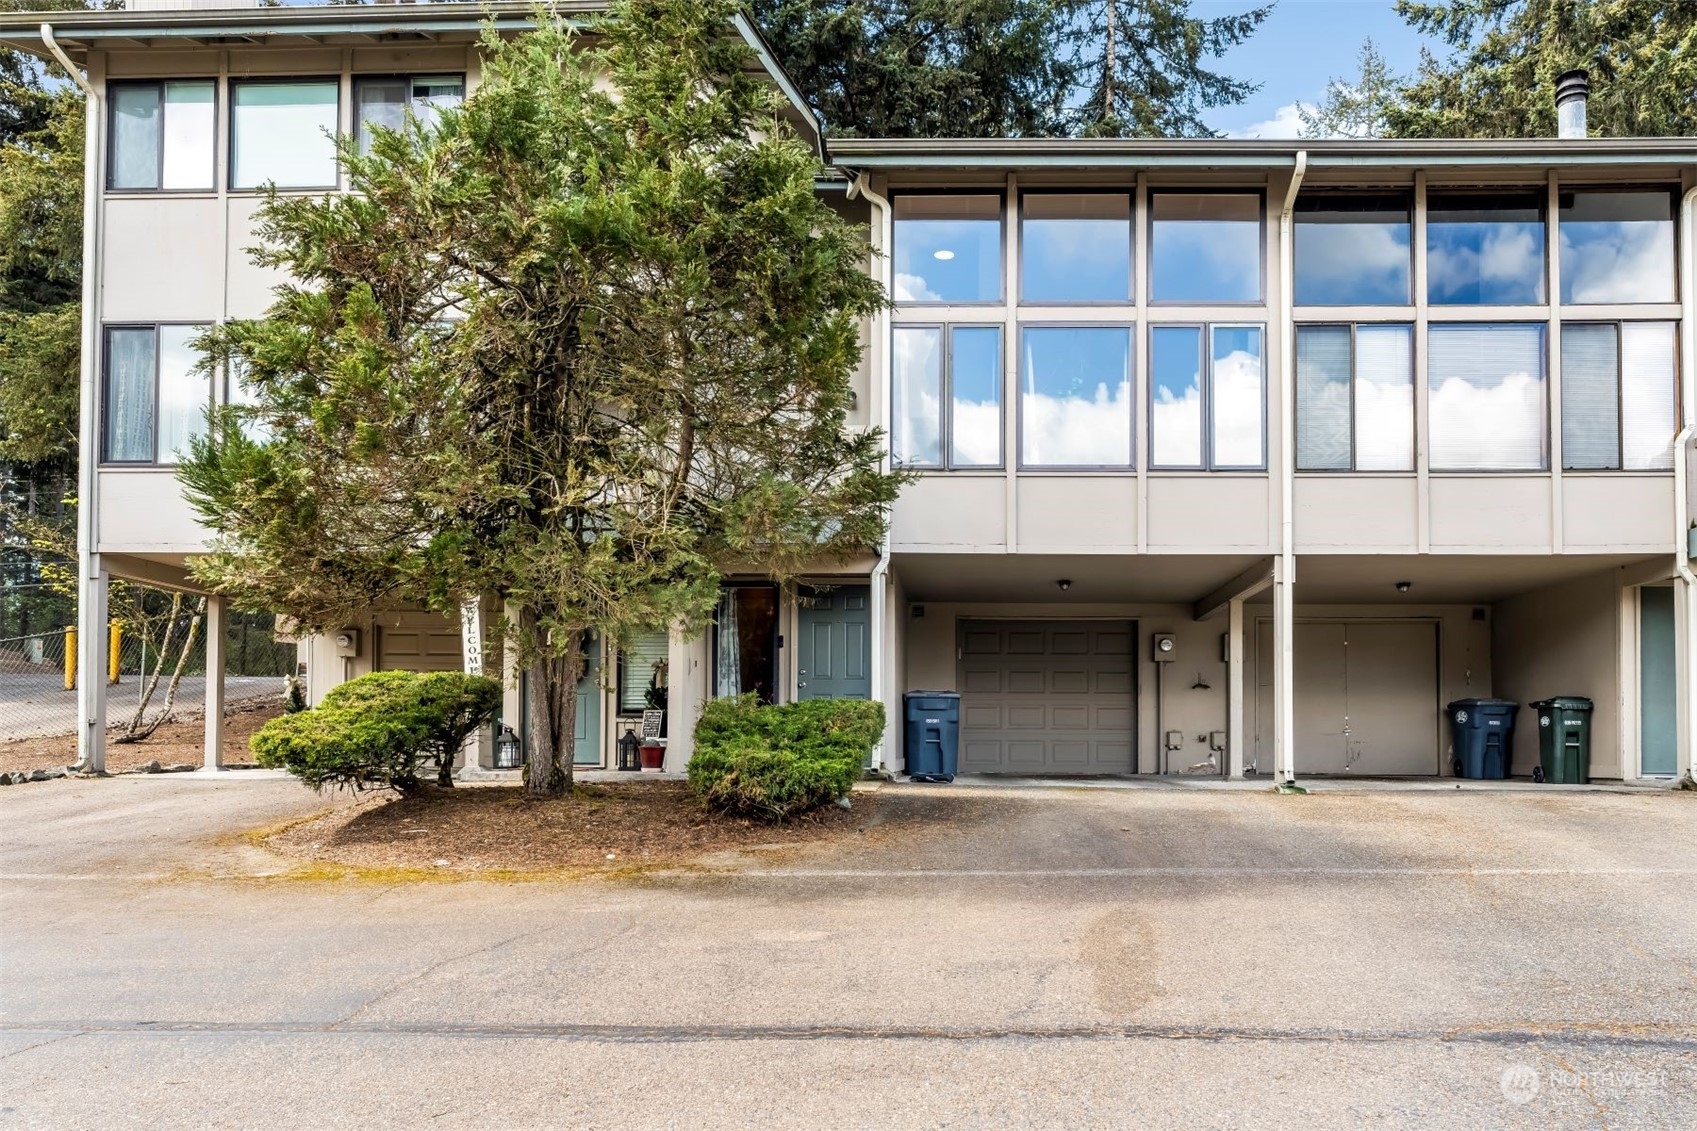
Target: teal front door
column 835, row 657
column 586, row 740
column 1657, row 688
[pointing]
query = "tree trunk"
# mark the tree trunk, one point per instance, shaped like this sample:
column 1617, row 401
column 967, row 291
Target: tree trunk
column 553, row 719
column 140, row 730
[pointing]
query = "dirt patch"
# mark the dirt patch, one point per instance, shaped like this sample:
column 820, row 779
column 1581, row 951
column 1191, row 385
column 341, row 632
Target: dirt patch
column 177, row 741
column 603, row 828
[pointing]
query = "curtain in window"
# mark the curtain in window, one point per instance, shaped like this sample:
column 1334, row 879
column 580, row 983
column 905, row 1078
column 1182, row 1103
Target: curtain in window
column 1486, row 402
column 129, row 395
column 283, row 133
column 135, row 137
column 190, row 123
column 1384, row 398
column 1590, row 396
column 727, row 649
column 1322, row 398
column 184, row 395
column 379, row 102
column 1647, row 395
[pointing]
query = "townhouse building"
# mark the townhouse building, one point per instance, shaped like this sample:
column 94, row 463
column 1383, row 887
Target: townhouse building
column 1231, row 457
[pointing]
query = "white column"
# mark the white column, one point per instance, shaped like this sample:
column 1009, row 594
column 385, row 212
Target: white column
column 1685, row 677
column 1236, row 740
column 93, row 649
column 1284, row 672
column 214, row 755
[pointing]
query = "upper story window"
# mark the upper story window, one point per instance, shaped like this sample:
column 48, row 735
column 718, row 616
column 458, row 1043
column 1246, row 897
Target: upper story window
column 1485, row 249
column 1205, row 247
column 1617, row 247
column 1618, row 395
column 1213, row 374
column 386, row 101
column 947, row 396
column 1075, row 247
column 1486, row 399
column 948, row 248
column 1353, row 250
column 282, row 132
column 155, row 399
column 1075, row 399
column 1355, row 398
column 162, row 135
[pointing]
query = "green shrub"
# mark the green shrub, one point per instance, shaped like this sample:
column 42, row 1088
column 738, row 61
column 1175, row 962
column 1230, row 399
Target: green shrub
column 378, row 730
column 775, row 762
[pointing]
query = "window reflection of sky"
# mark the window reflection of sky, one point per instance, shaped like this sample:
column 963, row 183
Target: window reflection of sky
column 1617, row 247
column 1352, row 251
column 1484, row 251
column 1075, row 397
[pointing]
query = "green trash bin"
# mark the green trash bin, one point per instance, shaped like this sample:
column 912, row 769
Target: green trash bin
column 1564, row 739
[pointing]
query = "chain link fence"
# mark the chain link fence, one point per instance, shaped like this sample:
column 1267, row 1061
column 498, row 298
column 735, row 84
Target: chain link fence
column 38, row 697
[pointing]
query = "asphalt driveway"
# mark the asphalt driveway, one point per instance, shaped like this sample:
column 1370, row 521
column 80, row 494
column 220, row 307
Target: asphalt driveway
column 977, row 957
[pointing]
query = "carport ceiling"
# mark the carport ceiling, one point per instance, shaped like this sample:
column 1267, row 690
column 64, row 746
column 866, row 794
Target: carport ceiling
column 1467, row 579
column 1150, row 578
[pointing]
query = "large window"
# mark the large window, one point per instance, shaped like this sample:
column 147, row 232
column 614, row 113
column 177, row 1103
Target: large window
column 948, row 248
column 1617, row 247
column 948, row 396
column 282, row 133
column 154, row 398
column 1352, row 250
column 1211, row 374
column 1075, row 247
column 1617, row 395
column 387, row 101
column 1485, row 387
column 1485, row 249
column 162, row 135
column 1206, row 247
column 1075, row 396
column 745, row 642
column 1355, row 398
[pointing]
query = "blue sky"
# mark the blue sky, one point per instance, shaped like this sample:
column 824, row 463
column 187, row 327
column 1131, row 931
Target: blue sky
column 1301, row 45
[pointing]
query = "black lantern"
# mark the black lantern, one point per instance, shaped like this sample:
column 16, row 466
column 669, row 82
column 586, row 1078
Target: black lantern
column 630, row 751
column 509, row 751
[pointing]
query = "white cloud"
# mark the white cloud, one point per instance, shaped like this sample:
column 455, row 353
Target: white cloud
column 1076, row 432
column 913, row 288
column 1237, row 410
column 1626, row 263
column 1286, row 122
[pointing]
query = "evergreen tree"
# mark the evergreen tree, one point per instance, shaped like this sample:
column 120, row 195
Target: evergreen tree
column 1354, row 107
column 1500, row 79
column 580, row 346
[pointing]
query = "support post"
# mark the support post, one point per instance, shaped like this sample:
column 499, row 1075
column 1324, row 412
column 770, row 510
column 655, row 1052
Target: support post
column 215, row 607
column 1237, row 741
column 1284, row 672
column 92, row 584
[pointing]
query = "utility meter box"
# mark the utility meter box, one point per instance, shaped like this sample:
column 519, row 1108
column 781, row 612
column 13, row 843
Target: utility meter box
column 347, row 642
column 1165, row 647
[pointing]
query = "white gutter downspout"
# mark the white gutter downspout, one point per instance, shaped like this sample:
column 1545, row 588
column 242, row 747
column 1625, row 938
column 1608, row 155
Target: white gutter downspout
column 91, row 643
column 1685, row 665
column 1284, row 580
column 879, row 385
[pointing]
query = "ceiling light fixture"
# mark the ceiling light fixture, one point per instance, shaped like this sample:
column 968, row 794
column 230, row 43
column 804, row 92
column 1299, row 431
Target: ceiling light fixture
column 1065, row 583
column 943, row 253
column 1404, row 586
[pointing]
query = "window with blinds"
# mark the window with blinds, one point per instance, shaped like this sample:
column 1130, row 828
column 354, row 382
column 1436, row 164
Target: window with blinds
column 1486, row 395
column 1617, row 395
column 1355, row 398
column 642, row 662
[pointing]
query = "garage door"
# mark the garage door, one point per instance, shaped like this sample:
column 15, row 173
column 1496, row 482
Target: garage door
column 418, row 642
column 1048, row 697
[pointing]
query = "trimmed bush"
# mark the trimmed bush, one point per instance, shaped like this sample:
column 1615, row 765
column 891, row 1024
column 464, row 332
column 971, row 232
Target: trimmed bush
column 379, row 730
column 776, row 762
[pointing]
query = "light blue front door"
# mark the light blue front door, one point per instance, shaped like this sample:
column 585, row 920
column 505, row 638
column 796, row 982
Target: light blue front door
column 1657, row 689
column 835, row 656
column 586, row 740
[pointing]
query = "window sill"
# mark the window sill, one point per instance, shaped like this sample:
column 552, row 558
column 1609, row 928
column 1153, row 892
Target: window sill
column 155, row 194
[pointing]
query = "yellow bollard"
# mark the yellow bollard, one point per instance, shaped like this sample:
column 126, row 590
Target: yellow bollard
column 115, row 639
column 70, row 659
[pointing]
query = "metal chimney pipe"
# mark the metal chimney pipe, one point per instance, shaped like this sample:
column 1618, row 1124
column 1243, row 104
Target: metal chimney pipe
column 1573, row 89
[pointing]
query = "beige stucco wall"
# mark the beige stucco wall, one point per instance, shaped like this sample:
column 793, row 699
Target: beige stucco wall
column 1563, row 640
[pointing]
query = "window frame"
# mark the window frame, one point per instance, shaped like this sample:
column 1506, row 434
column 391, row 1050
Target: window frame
column 1131, row 249
column 106, row 328
column 1354, row 467
column 111, row 146
column 1548, row 272
column 1001, row 299
column 1130, row 327
column 1618, row 325
column 1260, row 195
column 1395, row 192
column 280, row 80
column 1545, row 341
column 946, row 394
column 1208, row 464
column 408, row 77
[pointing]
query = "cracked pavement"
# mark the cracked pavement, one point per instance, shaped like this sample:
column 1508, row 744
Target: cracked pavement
column 982, row 957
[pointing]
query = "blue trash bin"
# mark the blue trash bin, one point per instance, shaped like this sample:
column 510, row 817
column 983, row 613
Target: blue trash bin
column 1483, row 733
column 932, row 736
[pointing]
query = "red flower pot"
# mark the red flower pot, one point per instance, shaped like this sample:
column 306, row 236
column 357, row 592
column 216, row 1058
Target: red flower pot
column 653, row 756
